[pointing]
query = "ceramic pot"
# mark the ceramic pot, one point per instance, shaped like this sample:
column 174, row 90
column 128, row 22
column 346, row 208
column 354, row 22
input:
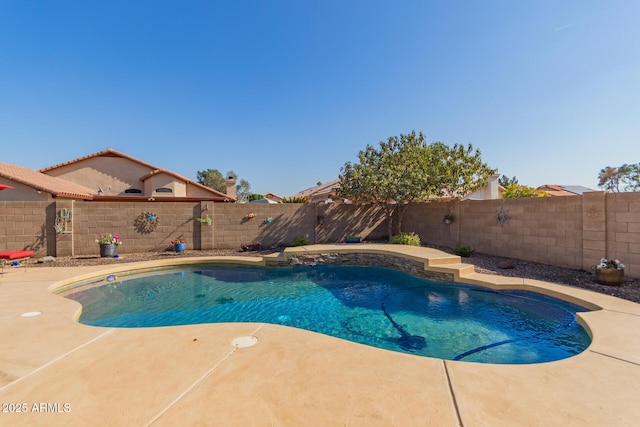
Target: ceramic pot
column 179, row 247
column 108, row 250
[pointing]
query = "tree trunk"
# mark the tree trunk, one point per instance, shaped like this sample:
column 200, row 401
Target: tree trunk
column 388, row 210
column 401, row 210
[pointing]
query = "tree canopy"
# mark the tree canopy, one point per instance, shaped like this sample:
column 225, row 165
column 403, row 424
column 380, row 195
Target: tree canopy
column 505, row 181
column 214, row 179
column 406, row 169
column 622, row 178
column 516, row 191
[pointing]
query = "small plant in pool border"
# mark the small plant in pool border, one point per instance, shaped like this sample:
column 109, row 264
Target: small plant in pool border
column 463, row 251
column 300, row 241
column 411, row 239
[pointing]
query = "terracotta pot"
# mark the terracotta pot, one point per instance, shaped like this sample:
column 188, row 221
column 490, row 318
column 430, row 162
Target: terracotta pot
column 610, row 276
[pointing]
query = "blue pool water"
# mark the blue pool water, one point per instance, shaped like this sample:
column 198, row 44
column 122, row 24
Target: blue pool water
column 369, row 305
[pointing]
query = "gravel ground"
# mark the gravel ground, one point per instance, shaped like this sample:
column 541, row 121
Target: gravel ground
column 630, row 290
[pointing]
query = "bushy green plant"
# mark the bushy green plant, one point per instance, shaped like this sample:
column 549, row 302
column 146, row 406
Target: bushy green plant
column 411, row 239
column 516, row 191
column 304, row 200
column 463, row 251
column 300, row 241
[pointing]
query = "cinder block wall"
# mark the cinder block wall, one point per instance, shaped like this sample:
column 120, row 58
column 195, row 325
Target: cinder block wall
column 623, row 230
column 546, row 230
column 232, row 225
column 24, row 225
column 91, row 219
column 565, row 231
column 334, row 222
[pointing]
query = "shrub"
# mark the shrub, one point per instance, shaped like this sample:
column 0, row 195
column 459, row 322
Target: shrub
column 411, row 239
column 300, row 241
column 463, row 251
column 304, row 200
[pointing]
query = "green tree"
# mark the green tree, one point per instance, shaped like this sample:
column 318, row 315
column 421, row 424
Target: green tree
column 623, row 178
column 505, row 181
column 212, row 178
column 515, row 191
column 243, row 191
column 405, row 169
column 254, row 196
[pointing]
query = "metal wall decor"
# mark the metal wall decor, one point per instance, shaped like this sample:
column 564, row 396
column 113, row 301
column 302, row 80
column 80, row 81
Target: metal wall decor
column 64, row 217
column 502, row 216
column 147, row 222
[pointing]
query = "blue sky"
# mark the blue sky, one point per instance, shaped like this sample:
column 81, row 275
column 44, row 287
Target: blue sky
column 285, row 92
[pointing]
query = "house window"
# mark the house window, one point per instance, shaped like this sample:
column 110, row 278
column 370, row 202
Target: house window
column 132, row 191
column 164, row 190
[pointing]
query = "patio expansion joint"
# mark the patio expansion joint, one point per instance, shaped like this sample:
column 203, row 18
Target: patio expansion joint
column 197, row 382
column 452, row 394
column 614, row 357
column 622, row 312
column 46, row 365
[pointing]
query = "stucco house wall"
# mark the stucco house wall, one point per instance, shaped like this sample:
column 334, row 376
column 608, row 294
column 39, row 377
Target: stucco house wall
column 21, row 192
column 113, row 175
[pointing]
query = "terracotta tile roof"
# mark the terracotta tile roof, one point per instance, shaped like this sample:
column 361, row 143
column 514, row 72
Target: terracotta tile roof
column 322, row 191
column 564, row 190
column 55, row 186
column 109, row 152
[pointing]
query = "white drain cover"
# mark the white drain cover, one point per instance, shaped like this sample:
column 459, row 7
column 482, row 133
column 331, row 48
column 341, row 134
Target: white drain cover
column 246, row 341
column 31, row 314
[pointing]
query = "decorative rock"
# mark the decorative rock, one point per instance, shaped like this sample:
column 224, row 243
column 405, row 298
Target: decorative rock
column 47, row 258
column 507, row 264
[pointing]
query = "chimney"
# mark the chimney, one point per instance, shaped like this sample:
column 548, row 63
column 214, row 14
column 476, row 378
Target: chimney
column 231, row 187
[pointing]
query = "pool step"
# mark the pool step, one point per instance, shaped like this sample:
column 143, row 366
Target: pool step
column 458, row 270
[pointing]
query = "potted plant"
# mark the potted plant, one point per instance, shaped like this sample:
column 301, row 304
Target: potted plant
column 178, row 244
column 448, row 218
column 251, row 246
column 610, row 272
column 206, row 220
column 108, row 244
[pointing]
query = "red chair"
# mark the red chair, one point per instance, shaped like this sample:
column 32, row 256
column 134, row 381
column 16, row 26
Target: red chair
column 9, row 257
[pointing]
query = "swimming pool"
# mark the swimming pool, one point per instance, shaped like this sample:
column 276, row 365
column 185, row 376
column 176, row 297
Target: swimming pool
column 369, row 305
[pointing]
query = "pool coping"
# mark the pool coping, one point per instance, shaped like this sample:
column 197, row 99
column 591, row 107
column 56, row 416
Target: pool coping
column 294, row 377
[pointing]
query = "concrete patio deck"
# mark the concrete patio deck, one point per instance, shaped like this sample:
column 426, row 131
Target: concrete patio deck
column 59, row 372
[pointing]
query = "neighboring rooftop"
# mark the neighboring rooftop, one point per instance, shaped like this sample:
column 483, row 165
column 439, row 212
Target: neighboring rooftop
column 42, row 182
column 564, row 190
column 320, row 193
column 106, row 175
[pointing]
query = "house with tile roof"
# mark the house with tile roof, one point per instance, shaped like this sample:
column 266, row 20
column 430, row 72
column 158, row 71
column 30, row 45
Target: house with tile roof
column 107, row 175
column 273, row 197
column 564, row 190
column 32, row 185
column 325, row 193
